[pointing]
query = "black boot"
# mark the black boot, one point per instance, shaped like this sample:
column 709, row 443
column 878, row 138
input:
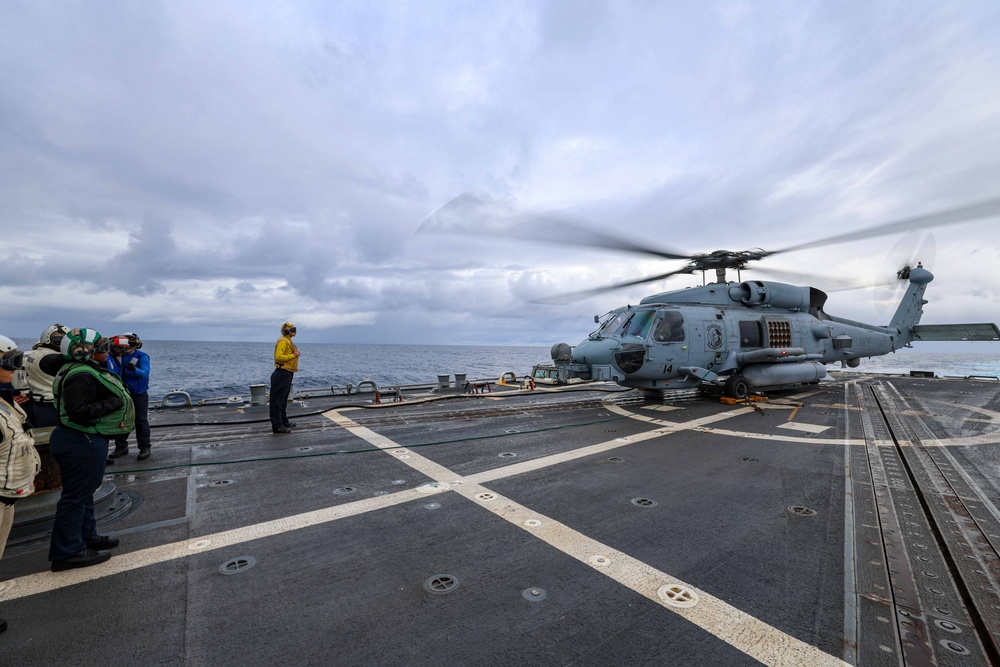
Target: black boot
column 85, row 558
column 98, row 542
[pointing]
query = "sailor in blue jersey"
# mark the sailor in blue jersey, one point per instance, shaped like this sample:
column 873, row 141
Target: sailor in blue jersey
column 132, row 365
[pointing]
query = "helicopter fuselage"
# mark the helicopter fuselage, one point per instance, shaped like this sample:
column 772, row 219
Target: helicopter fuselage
column 761, row 334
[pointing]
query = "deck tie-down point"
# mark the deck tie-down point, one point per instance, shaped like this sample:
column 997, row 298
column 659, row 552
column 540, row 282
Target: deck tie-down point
column 238, row 565
column 440, row 584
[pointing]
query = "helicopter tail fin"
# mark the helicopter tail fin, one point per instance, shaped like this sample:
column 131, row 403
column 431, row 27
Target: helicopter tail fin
column 911, row 308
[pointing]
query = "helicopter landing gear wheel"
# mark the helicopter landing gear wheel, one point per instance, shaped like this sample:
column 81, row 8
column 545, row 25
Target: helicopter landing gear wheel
column 737, row 387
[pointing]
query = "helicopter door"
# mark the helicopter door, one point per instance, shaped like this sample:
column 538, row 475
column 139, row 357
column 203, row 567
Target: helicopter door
column 668, row 344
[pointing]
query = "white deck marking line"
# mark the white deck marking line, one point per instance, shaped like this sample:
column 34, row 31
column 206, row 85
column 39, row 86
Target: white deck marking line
column 805, row 428
column 733, row 626
column 962, row 441
column 43, row 582
column 690, row 426
column 601, row 447
column 852, row 609
column 838, row 406
column 782, row 438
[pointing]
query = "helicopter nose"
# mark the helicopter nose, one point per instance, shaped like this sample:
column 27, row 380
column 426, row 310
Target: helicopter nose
column 594, row 352
column 630, row 357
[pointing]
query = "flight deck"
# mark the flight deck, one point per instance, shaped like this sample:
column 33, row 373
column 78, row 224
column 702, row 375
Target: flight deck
column 852, row 522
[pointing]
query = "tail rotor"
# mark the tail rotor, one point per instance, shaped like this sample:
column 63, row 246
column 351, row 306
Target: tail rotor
column 917, row 247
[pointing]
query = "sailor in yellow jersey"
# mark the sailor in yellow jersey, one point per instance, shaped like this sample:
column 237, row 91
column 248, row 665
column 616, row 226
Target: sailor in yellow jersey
column 286, row 362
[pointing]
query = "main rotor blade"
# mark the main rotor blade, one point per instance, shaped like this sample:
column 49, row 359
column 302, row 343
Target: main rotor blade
column 825, row 283
column 569, row 297
column 475, row 215
column 984, row 209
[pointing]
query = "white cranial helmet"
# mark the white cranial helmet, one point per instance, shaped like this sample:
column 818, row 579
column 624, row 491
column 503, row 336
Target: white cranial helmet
column 11, row 358
column 52, row 336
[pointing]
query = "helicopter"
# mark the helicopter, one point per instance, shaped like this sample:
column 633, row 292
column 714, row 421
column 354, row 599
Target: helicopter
column 730, row 337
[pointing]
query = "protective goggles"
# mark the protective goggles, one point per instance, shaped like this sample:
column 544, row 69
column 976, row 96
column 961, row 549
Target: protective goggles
column 12, row 361
column 102, row 345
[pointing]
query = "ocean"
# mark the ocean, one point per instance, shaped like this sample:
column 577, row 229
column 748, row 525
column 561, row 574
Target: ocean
column 208, row 370
column 217, row 369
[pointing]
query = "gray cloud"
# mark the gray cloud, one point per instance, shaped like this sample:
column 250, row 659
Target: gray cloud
column 205, row 170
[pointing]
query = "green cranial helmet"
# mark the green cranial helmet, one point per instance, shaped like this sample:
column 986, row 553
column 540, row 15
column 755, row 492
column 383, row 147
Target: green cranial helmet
column 51, row 337
column 11, row 358
column 82, row 344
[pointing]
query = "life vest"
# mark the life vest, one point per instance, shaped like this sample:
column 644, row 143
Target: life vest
column 32, row 378
column 19, row 462
column 119, row 422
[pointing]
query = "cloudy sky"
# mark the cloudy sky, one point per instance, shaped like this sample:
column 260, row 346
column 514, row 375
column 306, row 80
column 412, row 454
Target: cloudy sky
column 206, row 170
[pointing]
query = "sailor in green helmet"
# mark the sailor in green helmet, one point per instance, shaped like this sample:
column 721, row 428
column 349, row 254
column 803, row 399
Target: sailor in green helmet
column 93, row 406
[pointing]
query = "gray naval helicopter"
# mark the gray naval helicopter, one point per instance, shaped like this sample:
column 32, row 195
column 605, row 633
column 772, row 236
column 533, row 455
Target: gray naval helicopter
column 729, row 337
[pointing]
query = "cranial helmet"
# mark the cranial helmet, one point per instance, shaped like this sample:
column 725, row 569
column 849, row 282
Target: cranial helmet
column 133, row 340
column 287, row 328
column 11, row 358
column 82, row 344
column 51, row 337
column 116, row 348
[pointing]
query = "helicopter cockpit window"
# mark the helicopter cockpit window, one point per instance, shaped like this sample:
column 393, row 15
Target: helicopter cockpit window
column 639, row 323
column 750, row 334
column 612, row 324
column 670, row 327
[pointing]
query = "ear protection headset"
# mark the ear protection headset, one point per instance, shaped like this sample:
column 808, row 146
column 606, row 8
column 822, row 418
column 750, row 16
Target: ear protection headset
column 287, row 328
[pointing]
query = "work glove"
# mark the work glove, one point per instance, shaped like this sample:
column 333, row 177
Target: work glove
column 132, row 364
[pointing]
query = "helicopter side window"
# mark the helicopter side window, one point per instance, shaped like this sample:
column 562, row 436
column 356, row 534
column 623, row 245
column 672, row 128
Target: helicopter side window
column 639, row 324
column 750, row 334
column 670, row 328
